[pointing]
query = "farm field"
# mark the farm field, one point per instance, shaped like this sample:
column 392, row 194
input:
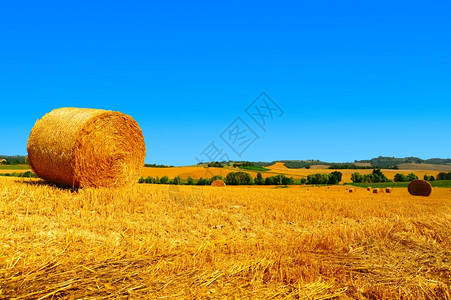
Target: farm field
column 247, row 242
column 413, row 166
column 277, row 168
column 14, row 168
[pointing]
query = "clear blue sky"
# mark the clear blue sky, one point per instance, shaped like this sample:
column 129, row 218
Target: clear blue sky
column 355, row 79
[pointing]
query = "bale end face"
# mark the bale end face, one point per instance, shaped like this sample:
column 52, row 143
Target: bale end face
column 420, row 188
column 218, row 183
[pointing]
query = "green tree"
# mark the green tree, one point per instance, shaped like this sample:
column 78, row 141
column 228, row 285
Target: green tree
column 270, row 181
column 412, row 177
column 239, row 178
column 259, row 179
column 444, row 176
column 399, row 177
column 216, row 177
column 190, row 181
column 356, row 177
column 378, row 176
column 177, row 180
column 286, row 180
column 335, row 177
column 431, row 178
column 164, row 180
column 204, row 181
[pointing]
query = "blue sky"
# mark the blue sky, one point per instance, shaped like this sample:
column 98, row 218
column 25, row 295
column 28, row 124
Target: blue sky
column 355, row 79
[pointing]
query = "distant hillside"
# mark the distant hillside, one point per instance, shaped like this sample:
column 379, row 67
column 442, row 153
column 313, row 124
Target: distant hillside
column 391, row 162
column 14, row 160
column 413, row 166
column 414, row 163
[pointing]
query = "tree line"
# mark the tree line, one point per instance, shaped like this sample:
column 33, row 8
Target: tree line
column 378, row 176
column 244, row 178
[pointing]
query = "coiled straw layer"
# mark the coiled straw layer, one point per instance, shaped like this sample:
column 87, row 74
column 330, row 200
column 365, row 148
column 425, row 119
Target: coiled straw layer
column 420, row 188
column 218, row 183
column 80, row 147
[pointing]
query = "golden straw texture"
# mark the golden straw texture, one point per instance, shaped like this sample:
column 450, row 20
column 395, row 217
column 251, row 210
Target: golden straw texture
column 218, row 183
column 420, row 188
column 80, row 147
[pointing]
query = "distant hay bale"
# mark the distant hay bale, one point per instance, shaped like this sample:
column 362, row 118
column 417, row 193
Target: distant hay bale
column 368, row 188
column 388, row 190
column 420, row 188
column 351, row 190
column 375, row 191
column 218, row 183
column 80, row 147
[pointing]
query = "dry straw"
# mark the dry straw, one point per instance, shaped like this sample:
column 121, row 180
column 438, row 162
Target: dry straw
column 218, row 183
column 419, row 188
column 80, row 147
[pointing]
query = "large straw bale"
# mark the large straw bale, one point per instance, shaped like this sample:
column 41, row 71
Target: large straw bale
column 419, row 188
column 80, row 147
column 218, row 183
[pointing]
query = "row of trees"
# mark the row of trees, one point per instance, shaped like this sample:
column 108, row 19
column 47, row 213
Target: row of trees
column 428, row 178
column 27, row 174
column 323, row 178
column 244, row 178
column 399, row 177
column 347, row 166
column 444, row 176
column 157, row 166
column 177, row 180
column 215, row 164
column 375, row 176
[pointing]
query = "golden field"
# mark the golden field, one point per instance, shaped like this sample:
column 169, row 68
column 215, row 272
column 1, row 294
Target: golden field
column 278, row 168
column 189, row 242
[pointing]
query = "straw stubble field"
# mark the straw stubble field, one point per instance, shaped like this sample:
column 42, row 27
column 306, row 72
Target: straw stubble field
column 152, row 241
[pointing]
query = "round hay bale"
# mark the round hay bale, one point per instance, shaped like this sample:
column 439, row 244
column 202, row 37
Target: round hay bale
column 351, row 190
column 375, row 191
column 80, row 147
column 388, row 190
column 218, row 183
column 368, row 188
column 420, row 188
